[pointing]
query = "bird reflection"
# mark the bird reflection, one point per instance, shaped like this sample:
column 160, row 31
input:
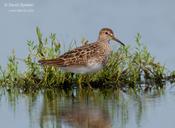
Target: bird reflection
column 83, row 116
column 60, row 112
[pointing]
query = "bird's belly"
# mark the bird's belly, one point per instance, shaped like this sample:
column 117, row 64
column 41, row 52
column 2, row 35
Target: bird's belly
column 83, row 69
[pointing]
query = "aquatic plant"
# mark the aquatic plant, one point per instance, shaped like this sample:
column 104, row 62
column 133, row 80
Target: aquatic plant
column 127, row 68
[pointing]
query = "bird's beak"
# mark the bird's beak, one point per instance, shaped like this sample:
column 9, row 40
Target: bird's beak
column 117, row 40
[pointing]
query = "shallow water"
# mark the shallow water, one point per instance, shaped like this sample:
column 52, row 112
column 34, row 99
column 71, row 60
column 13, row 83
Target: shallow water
column 90, row 109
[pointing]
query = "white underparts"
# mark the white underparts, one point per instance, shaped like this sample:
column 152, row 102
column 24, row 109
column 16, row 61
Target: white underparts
column 83, row 69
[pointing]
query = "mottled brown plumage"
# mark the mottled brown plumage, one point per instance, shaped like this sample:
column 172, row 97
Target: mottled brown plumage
column 87, row 58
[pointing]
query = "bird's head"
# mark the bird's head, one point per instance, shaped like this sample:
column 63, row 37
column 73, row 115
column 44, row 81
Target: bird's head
column 106, row 34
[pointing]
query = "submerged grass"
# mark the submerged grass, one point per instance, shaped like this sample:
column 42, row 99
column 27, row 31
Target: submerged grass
column 127, row 68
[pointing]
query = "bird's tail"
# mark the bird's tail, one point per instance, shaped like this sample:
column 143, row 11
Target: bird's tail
column 50, row 62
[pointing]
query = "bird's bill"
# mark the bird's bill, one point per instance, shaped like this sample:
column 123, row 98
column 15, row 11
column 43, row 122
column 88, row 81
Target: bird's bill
column 117, row 40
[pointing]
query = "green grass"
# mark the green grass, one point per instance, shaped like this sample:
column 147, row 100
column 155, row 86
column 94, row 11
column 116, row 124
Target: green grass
column 127, row 68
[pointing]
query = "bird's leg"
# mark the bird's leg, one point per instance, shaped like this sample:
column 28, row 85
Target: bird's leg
column 80, row 81
column 88, row 83
column 74, row 85
column 73, row 76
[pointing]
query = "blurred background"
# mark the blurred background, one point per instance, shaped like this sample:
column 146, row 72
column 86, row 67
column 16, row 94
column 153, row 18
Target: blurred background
column 74, row 20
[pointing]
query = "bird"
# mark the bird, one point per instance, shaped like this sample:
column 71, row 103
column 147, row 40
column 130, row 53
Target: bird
column 88, row 58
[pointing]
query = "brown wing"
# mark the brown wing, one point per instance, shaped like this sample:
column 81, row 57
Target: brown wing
column 77, row 56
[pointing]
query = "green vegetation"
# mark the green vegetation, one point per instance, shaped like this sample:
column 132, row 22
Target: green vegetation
column 127, row 68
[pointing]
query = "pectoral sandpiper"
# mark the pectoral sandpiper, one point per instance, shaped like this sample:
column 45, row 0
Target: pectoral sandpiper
column 87, row 58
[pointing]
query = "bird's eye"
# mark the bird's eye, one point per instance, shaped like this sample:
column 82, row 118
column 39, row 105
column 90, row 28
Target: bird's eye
column 106, row 33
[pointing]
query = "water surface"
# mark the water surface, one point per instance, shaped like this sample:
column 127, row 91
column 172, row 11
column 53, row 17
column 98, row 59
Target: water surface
column 90, row 109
